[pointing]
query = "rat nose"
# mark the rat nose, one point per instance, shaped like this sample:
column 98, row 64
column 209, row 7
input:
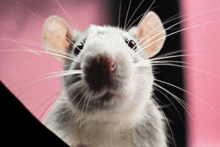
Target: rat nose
column 98, row 71
column 110, row 62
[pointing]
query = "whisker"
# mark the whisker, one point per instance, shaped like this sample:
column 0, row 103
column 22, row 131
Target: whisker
column 43, row 75
column 30, row 50
column 73, row 44
column 166, row 121
column 197, row 15
column 134, row 13
column 156, row 98
column 170, row 102
column 47, row 101
column 168, row 54
column 39, row 81
column 43, row 52
column 127, row 13
column 49, row 47
column 67, row 15
column 165, row 22
column 28, row 89
column 175, row 56
column 80, row 99
column 174, row 17
column 119, row 17
column 85, row 102
column 146, row 12
column 182, row 103
column 143, row 63
column 28, row 10
column 67, row 73
column 47, row 108
column 178, row 88
column 135, row 21
column 169, row 35
column 30, row 41
column 169, row 61
column 89, row 100
column 170, row 64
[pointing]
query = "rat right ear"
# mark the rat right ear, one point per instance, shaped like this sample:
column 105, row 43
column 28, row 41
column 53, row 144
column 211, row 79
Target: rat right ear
column 57, row 37
column 151, row 33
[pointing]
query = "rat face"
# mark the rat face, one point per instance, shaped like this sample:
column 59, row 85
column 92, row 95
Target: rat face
column 115, row 75
column 109, row 78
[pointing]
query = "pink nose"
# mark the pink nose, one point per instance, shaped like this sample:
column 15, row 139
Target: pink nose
column 112, row 64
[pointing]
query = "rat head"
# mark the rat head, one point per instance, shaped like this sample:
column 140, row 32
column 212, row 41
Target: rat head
column 111, row 79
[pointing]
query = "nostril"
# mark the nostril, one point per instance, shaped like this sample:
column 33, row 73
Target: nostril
column 108, row 62
column 112, row 65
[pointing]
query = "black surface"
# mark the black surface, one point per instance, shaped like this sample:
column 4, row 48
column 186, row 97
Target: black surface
column 19, row 128
column 175, row 75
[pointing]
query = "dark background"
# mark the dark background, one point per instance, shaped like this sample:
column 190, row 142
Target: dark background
column 174, row 75
column 20, row 128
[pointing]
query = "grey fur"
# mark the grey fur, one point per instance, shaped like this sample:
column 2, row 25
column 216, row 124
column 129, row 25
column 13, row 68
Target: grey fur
column 129, row 120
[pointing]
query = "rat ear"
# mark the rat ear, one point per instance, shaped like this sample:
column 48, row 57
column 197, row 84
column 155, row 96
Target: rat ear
column 57, row 36
column 151, row 33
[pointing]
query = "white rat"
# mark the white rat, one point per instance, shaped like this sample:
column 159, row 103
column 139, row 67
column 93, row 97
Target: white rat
column 108, row 101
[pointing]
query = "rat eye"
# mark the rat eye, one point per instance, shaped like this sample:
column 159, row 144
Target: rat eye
column 131, row 44
column 78, row 48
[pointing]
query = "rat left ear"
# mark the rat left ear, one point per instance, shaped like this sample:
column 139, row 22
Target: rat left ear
column 57, row 37
column 151, row 32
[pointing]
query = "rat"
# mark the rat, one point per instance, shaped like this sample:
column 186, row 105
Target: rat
column 108, row 84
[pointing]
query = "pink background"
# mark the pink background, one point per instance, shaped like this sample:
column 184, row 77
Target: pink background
column 203, row 127
column 19, row 70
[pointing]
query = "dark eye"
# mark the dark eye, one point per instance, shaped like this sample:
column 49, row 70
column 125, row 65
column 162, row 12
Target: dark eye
column 131, row 44
column 78, row 48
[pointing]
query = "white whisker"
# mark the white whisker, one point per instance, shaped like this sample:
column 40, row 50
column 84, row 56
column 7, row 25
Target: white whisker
column 134, row 13
column 181, row 102
column 67, row 15
column 73, row 43
column 146, row 12
column 47, row 108
column 127, row 13
column 168, row 54
column 169, row 61
column 175, row 56
column 169, row 101
column 43, row 52
column 166, row 121
column 39, row 81
column 71, row 72
column 176, row 25
column 178, row 88
column 28, row 10
column 119, row 17
column 169, row 35
column 47, row 101
column 49, row 47
column 143, row 63
column 170, row 64
column 165, row 22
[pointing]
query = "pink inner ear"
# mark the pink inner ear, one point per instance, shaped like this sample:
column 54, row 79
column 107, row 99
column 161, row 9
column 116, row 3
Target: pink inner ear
column 57, row 37
column 152, row 34
column 20, row 70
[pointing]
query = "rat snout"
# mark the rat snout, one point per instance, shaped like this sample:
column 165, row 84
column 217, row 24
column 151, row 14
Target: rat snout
column 99, row 71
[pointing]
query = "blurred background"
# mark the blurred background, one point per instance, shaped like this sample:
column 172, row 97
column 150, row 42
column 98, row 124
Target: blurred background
column 23, row 71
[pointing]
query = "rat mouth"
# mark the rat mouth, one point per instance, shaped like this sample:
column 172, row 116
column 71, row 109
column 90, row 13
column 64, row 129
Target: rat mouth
column 103, row 102
column 88, row 101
